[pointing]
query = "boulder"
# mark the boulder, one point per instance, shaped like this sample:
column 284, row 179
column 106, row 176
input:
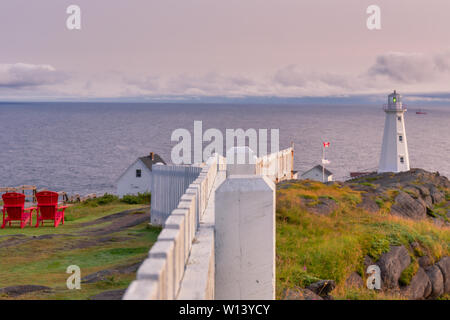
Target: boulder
column 15, row 291
column 105, row 274
column 354, row 280
column 322, row 287
column 436, row 195
column 368, row 261
column 444, row 265
column 368, row 204
column 109, row 295
column 425, row 261
column 324, row 206
column 419, row 287
column 298, row 293
column 437, row 281
column 407, row 206
column 392, row 264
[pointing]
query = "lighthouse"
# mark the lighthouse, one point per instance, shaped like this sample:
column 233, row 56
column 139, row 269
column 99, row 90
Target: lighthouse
column 394, row 151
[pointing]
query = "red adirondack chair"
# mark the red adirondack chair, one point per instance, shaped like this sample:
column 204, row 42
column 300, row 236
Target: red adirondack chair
column 47, row 208
column 14, row 209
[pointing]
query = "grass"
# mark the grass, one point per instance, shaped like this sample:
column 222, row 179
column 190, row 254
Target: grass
column 409, row 272
column 368, row 184
column 43, row 261
column 312, row 247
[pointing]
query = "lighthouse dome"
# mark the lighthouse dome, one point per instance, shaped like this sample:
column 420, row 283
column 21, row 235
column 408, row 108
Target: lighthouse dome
column 394, row 97
column 394, row 103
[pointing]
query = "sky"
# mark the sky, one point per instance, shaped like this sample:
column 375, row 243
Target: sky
column 159, row 49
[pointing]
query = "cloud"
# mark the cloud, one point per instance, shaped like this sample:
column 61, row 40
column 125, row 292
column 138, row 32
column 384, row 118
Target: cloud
column 21, row 75
column 406, row 72
column 411, row 67
column 293, row 76
column 211, row 83
column 150, row 83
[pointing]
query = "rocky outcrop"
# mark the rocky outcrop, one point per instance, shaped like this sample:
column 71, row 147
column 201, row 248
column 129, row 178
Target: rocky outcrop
column 368, row 203
column 437, row 281
column 104, row 274
column 354, row 280
column 413, row 194
column 408, row 207
column 109, row 295
column 419, row 287
column 322, row 288
column 392, row 264
column 298, row 293
column 425, row 261
column 323, row 206
column 15, row 291
column 444, row 266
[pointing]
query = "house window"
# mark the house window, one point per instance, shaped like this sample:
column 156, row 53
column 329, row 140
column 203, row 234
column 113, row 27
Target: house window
column 402, row 160
column 400, row 138
column 138, row 173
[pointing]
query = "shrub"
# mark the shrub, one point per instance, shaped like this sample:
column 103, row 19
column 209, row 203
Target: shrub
column 309, row 196
column 140, row 198
column 353, row 198
column 378, row 246
column 380, row 202
column 368, row 184
column 101, row 201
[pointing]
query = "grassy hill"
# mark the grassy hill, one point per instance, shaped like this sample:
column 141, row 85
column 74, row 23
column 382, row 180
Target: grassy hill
column 323, row 232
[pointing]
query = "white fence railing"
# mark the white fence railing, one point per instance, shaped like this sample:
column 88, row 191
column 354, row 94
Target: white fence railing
column 160, row 275
column 169, row 184
column 277, row 166
column 166, row 273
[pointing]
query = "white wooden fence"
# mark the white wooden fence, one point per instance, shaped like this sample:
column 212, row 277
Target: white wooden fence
column 277, row 166
column 178, row 267
column 160, row 275
column 169, row 184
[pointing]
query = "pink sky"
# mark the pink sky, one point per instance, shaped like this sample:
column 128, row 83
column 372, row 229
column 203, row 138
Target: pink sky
column 153, row 48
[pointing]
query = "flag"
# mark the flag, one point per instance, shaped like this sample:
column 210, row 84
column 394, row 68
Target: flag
column 326, row 144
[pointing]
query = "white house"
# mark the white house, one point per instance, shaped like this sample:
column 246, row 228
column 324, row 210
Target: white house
column 318, row 173
column 138, row 177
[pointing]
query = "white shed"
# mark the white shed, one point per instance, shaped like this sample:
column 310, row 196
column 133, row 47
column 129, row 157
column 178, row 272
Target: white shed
column 316, row 173
column 138, row 177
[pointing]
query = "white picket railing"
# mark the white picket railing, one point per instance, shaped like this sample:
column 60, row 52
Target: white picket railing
column 160, row 275
column 180, row 265
column 277, row 166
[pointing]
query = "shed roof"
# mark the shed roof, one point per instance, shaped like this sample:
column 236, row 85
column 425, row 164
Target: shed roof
column 319, row 167
column 149, row 162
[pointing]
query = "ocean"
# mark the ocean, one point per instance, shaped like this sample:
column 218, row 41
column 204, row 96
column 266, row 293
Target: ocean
column 84, row 147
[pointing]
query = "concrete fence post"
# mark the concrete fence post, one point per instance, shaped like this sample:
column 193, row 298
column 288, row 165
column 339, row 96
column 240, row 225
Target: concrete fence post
column 245, row 238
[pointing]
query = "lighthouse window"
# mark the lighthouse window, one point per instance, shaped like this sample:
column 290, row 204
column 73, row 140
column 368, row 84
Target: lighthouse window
column 402, row 160
column 400, row 138
column 399, row 118
column 138, row 173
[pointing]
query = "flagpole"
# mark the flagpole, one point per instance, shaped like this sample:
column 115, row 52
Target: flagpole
column 323, row 162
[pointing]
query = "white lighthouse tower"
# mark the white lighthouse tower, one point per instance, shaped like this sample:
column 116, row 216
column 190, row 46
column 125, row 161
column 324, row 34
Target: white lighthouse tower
column 394, row 152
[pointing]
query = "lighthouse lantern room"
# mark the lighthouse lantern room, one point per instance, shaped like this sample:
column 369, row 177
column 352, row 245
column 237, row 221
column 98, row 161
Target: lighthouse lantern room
column 394, row 151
